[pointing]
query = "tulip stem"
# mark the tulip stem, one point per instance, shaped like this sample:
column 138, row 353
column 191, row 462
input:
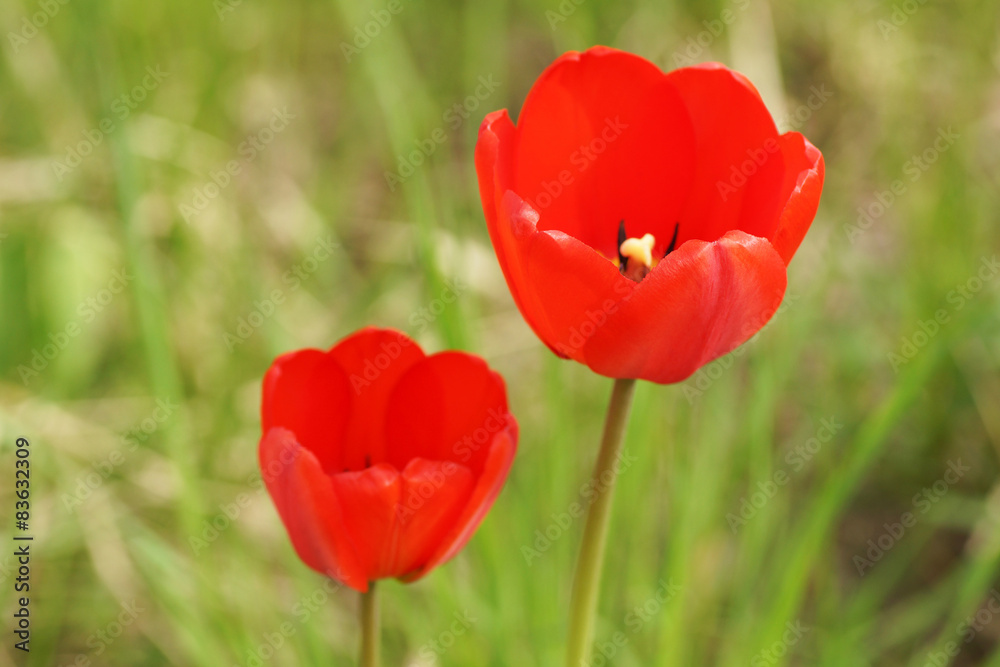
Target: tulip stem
column 587, row 579
column 369, row 627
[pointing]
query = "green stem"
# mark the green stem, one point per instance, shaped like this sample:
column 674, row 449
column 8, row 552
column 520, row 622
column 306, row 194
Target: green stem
column 587, row 579
column 369, row 628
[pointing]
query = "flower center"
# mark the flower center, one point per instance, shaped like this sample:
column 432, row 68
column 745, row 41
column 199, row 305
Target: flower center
column 635, row 255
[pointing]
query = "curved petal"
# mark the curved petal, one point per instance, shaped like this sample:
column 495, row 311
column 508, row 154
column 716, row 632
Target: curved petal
column 309, row 394
column 494, row 160
column 494, row 167
column 435, row 493
column 699, row 303
column 488, row 485
column 309, row 509
column 603, row 136
column 374, row 360
column 372, row 495
column 740, row 164
column 446, row 407
column 800, row 193
column 571, row 288
column 397, row 521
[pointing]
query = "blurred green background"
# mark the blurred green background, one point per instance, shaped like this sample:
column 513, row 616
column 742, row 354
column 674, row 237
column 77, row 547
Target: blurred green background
column 140, row 272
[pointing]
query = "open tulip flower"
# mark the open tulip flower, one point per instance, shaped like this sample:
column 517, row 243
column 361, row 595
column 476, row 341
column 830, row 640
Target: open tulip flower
column 382, row 461
column 643, row 220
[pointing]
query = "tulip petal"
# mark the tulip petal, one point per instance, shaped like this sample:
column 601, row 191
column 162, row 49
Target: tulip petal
column 740, row 165
column 434, row 495
column 603, row 137
column 800, row 193
column 308, row 393
column 397, row 520
column 698, row 304
column 370, row 497
column 572, row 286
column 446, row 407
column 373, row 359
column 494, row 151
column 312, row 514
column 494, row 168
column 494, row 472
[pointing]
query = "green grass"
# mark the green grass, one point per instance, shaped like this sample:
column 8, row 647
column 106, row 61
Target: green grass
column 852, row 298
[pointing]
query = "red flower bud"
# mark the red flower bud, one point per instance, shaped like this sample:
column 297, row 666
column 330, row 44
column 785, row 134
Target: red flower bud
column 382, row 461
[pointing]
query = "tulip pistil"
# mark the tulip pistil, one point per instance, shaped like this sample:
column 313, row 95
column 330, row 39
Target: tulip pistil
column 640, row 252
column 635, row 256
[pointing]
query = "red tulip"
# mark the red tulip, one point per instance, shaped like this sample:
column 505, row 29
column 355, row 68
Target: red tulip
column 382, row 461
column 643, row 220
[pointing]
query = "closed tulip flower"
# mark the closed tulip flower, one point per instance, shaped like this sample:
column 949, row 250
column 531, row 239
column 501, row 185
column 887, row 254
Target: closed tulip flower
column 382, row 461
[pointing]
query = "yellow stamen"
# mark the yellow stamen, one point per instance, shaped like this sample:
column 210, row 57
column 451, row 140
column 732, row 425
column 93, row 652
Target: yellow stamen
column 639, row 250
